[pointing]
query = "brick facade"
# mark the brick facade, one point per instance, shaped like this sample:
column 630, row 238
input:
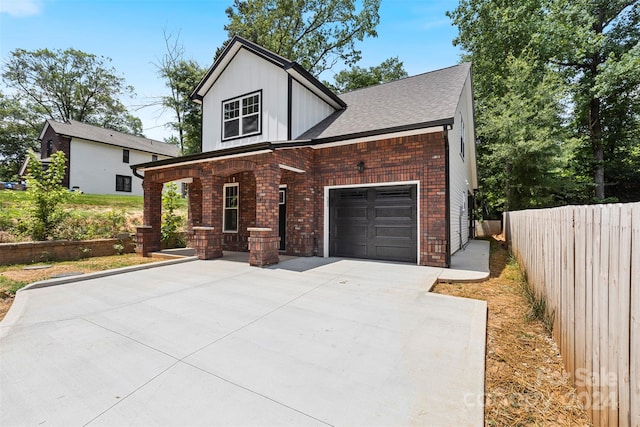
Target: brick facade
column 306, row 172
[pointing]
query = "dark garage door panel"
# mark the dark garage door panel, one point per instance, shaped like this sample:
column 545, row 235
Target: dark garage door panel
column 374, row 222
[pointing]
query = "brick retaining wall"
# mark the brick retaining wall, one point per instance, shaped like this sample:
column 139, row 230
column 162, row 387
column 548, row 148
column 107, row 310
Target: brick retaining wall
column 60, row 250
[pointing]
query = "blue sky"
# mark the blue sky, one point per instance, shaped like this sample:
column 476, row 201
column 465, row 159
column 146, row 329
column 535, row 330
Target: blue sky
column 130, row 32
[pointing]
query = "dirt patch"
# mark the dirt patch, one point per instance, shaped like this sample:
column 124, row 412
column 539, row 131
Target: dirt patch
column 526, row 384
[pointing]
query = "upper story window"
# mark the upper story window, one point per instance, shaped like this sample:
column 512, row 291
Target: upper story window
column 49, row 148
column 242, row 116
column 125, row 156
column 461, row 137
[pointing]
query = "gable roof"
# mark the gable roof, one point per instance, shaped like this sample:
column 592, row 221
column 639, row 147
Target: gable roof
column 425, row 100
column 294, row 69
column 76, row 129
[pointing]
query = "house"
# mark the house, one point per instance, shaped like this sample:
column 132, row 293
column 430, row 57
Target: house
column 386, row 172
column 99, row 159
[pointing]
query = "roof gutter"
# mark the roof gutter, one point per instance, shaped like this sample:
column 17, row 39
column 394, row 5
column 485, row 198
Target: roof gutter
column 134, row 169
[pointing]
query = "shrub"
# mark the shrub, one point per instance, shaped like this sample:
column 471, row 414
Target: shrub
column 171, row 222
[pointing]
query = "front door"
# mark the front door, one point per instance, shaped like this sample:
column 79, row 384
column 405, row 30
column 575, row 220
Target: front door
column 283, row 218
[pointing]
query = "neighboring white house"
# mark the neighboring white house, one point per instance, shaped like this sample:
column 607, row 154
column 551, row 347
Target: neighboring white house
column 98, row 159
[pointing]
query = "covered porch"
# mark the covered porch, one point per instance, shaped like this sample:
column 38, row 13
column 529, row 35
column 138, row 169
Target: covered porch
column 234, row 203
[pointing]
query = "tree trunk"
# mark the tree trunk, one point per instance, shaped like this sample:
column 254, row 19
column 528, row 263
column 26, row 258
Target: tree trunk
column 595, row 135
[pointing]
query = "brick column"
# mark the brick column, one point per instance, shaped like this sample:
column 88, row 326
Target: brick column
column 264, row 240
column 195, row 208
column 148, row 236
column 263, row 247
column 207, row 242
column 208, row 237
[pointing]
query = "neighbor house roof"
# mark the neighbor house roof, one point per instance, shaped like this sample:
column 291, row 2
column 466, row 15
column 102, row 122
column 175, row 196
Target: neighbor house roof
column 76, row 129
column 425, row 100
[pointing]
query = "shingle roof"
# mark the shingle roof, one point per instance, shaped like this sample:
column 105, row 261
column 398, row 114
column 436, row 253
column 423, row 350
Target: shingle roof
column 429, row 98
column 81, row 130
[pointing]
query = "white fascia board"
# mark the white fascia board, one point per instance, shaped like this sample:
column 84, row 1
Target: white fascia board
column 211, row 159
column 378, row 137
column 320, row 94
column 291, row 168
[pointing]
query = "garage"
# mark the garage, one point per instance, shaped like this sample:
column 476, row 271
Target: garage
column 374, row 223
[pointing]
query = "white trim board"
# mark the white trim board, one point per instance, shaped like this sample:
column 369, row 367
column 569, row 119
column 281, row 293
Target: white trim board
column 327, row 188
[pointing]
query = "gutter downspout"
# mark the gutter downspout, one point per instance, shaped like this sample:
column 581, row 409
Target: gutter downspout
column 134, row 169
column 447, row 202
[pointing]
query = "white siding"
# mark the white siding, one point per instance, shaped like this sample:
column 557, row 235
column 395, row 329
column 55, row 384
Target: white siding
column 307, row 109
column 93, row 167
column 462, row 178
column 246, row 73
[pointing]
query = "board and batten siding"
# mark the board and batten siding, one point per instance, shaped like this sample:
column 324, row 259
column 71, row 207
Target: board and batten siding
column 461, row 171
column 307, row 109
column 93, row 167
column 246, row 73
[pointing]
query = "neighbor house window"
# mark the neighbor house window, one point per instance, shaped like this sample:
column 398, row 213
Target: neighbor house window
column 230, row 220
column 125, row 156
column 154, row 157
column 461, row 137
column 241, row 116
column 49, row 148
column 123, row 183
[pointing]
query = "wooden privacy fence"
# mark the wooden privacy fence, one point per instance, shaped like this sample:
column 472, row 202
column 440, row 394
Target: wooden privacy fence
column 585, row 261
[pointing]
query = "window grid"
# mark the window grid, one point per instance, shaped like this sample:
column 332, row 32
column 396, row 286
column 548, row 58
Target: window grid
column 230, row 219
column 125, row 156
column 241, row 116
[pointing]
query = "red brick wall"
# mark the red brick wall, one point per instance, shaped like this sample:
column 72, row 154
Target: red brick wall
column 413, row 158
column 60, row 250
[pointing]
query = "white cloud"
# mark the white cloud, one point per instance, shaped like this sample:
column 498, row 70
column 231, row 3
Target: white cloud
column 20, row 8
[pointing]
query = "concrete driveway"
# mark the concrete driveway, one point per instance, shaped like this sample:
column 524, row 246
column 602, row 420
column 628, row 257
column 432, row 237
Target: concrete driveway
column 311, row 341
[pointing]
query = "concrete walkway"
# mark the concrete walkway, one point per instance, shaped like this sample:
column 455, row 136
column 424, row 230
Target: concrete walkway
column 470, row 264
column 310, row 341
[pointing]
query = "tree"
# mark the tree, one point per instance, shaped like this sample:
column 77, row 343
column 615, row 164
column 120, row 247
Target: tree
column 71, row 84
column 357, row 77
column 317, row 34
column 592, row 47
column 19, row 128
column 46, row 194
column 596, row 47
column 181, row 77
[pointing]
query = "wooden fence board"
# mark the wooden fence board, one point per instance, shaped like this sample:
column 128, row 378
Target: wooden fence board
column 634, row 374
column 586, row 261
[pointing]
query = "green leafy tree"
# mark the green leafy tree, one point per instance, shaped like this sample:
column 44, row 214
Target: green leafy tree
column 46, row 195
column 181, row 76
column 19, row 128
column 357, row 77
column 318, row 34
column 71, row 84
column 591, row 48
column 595, row 44
column 171, row 221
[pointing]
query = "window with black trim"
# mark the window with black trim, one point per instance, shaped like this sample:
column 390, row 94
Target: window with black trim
column 242, row 116
column 154, row 157
column 125, row 156
column 230, row 220
column 123, row 183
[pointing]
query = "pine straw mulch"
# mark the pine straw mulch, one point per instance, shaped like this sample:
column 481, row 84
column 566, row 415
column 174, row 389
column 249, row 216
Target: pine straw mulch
column 525, row 383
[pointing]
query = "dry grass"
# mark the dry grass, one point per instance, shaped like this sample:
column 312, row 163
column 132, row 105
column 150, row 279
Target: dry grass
column 14, row 277
column 526, row 384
